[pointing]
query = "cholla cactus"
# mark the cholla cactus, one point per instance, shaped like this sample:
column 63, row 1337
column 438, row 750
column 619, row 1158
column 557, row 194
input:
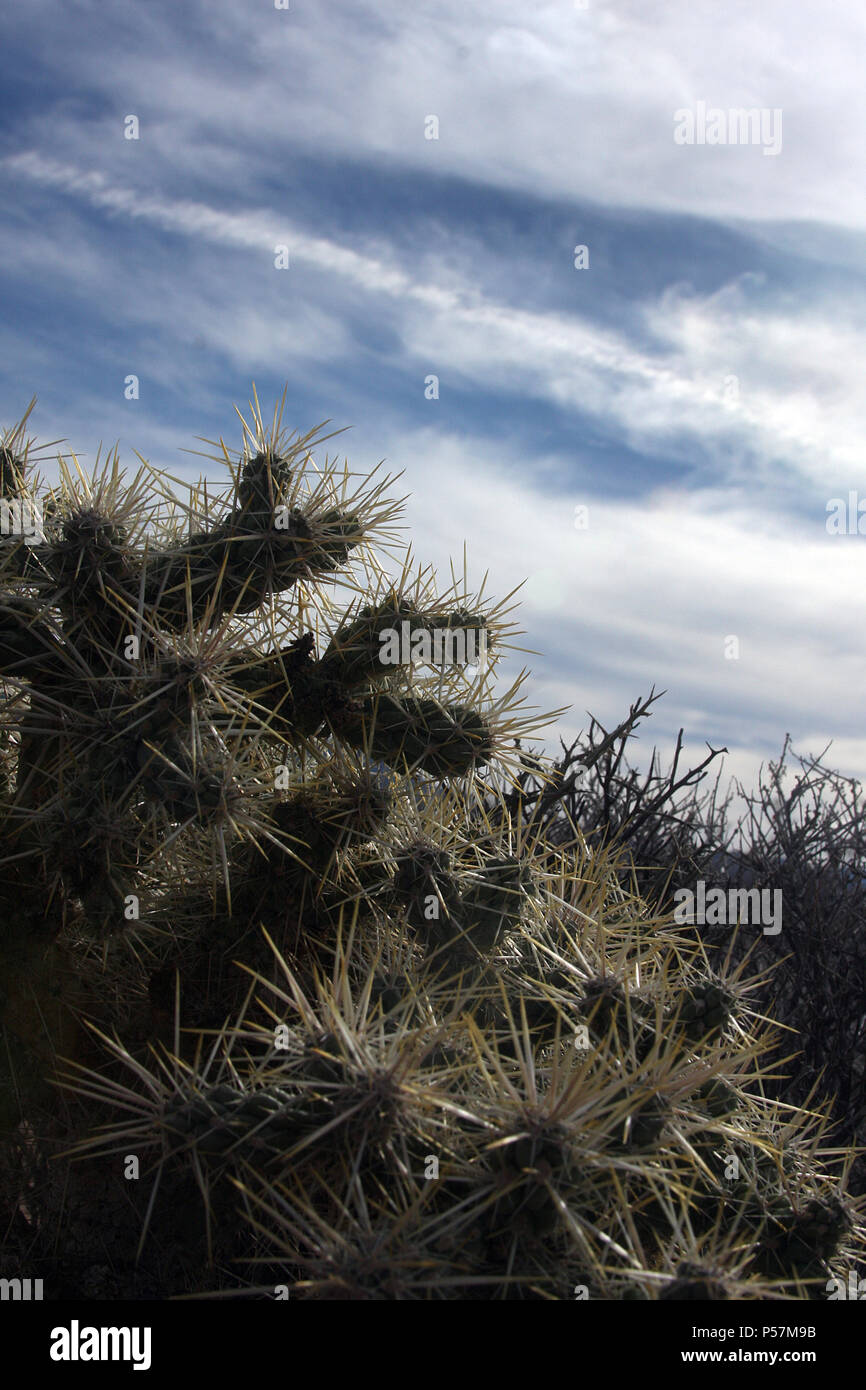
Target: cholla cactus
column 354, row 1034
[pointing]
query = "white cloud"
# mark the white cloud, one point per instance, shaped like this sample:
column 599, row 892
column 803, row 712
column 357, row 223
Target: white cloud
column 576, row 104
column 647, row 596
column 798, row 375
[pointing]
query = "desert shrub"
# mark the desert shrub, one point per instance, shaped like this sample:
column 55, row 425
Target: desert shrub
column 797, row 838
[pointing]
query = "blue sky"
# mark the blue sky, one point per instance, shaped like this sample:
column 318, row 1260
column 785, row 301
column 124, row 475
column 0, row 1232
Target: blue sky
column 699, row 387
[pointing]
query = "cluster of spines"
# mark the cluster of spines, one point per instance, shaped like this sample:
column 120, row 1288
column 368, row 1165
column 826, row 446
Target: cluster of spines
column 524, row 1166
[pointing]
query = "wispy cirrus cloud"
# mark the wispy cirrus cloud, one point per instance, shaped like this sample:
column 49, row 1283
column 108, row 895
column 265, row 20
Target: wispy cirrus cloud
column 698, row 386
column 724, row 365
